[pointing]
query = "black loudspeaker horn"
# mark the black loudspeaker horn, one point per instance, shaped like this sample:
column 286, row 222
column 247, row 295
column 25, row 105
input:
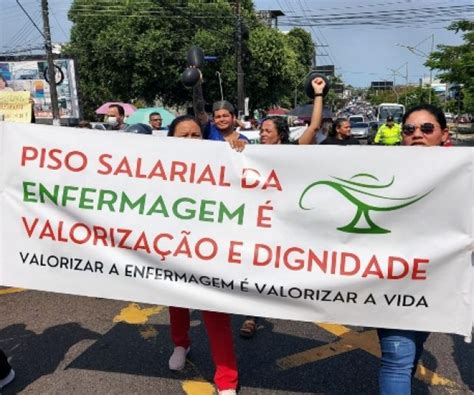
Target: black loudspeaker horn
column 308, row 88
column 190, row 77
column 195, row 57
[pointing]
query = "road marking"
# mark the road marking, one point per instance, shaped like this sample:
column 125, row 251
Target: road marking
column 433, row 378
column 198, row 387
column 134, row 314
column 8, row 291
column 148, row 332
column 348, row 341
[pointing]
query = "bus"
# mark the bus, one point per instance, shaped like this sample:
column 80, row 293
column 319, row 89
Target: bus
column 394, row 109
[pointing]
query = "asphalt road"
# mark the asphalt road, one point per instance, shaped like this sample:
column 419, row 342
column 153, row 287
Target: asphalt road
column 62, row 344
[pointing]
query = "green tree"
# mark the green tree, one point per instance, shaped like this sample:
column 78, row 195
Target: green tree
column 414, row 95
column 135, row 50
column 456, row 62
column 302, row 43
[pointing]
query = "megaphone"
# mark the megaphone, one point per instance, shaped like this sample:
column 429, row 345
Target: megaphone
column 308, row 87
column 190, row 77
column 195, row 57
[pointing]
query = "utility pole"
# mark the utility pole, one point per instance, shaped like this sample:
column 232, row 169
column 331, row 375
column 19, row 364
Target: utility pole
column 240, row 71
column 49, row 57
column 431, row 70
column 415, row 50
column 396, row 72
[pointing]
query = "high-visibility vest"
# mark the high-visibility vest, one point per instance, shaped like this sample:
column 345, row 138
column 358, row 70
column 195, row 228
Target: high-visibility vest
column 388, row 136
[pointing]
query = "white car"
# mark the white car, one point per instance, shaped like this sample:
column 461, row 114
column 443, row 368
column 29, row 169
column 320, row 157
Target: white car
column 360, row 130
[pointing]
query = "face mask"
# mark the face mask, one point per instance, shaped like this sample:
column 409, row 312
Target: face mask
column 112, row 121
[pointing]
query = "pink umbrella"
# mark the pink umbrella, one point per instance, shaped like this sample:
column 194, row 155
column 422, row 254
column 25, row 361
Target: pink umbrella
column 129, row 108
column 277, row 111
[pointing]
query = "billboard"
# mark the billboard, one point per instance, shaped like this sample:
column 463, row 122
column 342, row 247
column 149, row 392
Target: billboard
column 381, row 85
column 327, row 70
column 30, row 76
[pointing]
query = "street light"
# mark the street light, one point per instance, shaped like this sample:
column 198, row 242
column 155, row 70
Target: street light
column 414, row 50
column 396, row 72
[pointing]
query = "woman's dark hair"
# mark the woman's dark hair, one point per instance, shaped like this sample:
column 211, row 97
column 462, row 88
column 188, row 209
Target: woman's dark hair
column 178, row 120
column 433, row 110
column 282, row 128
column 335, row 125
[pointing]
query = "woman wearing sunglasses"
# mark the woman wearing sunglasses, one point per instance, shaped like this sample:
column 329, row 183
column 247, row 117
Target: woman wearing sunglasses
column 423, row 125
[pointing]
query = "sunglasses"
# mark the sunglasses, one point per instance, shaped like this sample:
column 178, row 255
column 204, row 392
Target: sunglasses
column 425, row 128
column 156, row 119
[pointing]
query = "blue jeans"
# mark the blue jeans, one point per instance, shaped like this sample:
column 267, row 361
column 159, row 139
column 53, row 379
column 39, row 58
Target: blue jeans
column 401, row 351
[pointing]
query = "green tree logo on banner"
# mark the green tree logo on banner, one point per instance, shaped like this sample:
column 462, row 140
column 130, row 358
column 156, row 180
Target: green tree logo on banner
column 354, row 190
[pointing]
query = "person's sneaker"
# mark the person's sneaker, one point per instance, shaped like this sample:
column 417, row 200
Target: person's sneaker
column 178, row 358
column 228, row 392
column 8, row 379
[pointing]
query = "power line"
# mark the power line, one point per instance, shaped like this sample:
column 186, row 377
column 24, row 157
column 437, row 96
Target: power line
column 29, row 17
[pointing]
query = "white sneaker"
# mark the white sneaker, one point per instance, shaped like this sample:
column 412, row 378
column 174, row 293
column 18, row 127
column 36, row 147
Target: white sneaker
column 7, row 380
column 228, row 392
column 178, row 358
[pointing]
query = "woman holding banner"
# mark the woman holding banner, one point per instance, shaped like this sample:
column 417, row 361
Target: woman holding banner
column 423, row 125
column 275, row 130
column 217, row 324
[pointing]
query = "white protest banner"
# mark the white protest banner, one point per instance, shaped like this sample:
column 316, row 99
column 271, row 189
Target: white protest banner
column 372, row 236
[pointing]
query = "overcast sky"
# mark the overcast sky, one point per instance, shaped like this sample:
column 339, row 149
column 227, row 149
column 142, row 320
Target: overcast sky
column 364, row 38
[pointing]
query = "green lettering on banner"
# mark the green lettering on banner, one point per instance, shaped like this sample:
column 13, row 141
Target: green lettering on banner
column 27, row 195
column 126, row 202
column 158, row 207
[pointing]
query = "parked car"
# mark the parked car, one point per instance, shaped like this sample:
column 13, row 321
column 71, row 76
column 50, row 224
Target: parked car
column 360, row 130
column 356, row 119
column 462, row 119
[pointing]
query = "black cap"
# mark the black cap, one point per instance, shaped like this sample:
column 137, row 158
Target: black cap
column 139, row 128
column 389, row 118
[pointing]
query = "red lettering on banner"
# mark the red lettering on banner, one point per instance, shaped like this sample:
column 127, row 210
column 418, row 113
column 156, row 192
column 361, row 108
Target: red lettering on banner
column 74, row 161
column 256, row 255
column 373, row 268
column 235, row 256
column 29, row 229
column 267, row 256
column 344, row 263
column 103, row 161
column 417, row 272
column 272, row 182
column 391, row 268
column 251, row 178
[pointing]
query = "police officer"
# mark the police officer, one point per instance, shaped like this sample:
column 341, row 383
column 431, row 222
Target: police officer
column 389, row 133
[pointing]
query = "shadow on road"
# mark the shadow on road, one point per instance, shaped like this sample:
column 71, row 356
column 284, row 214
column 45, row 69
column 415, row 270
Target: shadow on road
column 124, row 350
column 35, row 355
column 462, row 353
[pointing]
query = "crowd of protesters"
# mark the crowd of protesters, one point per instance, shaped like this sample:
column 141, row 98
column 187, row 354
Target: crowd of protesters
column 424, row 125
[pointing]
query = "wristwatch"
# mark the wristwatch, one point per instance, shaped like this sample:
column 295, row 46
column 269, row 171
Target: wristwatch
column 318, row 94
